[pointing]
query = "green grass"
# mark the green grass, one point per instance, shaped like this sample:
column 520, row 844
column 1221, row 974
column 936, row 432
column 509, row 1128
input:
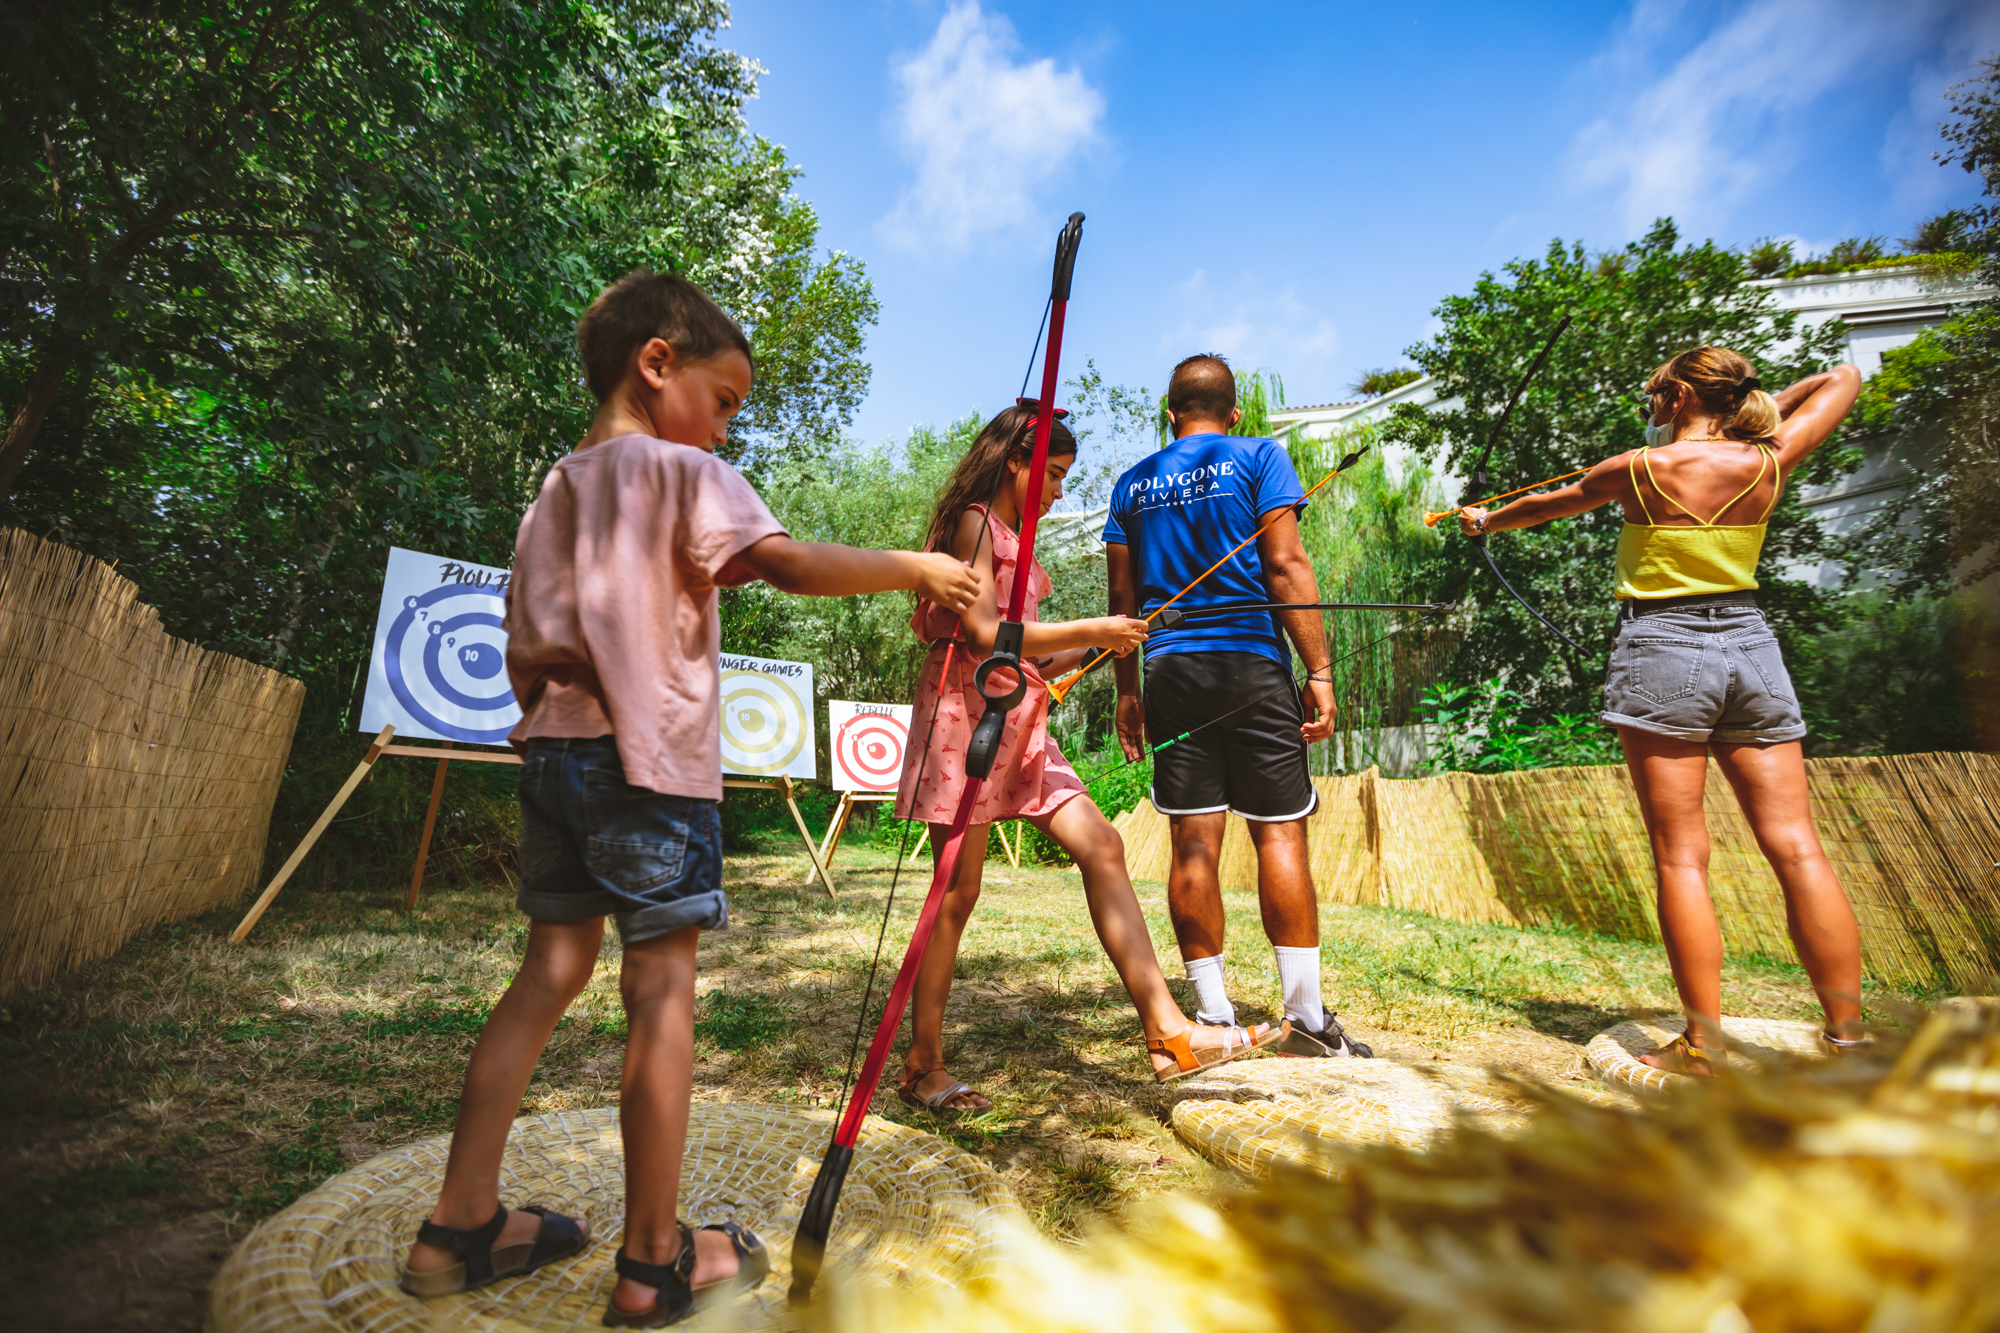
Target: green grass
column 187, row 1074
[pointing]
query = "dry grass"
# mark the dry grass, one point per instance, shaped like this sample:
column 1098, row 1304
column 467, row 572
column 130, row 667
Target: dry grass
column 1806, row 1196
column 188, row 1078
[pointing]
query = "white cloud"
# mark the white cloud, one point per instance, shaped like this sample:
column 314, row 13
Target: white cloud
column 984, row 132
column 1694, row 136
column 1255, row 327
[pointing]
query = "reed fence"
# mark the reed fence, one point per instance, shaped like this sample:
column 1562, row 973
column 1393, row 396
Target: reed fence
column 137, row 771
column 1915, row 840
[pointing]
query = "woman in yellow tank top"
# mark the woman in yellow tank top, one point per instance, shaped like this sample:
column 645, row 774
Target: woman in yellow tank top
column 1696, row 671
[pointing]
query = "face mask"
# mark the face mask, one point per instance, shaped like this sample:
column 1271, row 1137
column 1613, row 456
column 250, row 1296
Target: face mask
column 1659, row 435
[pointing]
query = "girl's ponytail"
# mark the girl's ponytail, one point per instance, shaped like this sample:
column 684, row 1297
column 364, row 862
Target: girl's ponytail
column 1727, row 385
column 1757, row 419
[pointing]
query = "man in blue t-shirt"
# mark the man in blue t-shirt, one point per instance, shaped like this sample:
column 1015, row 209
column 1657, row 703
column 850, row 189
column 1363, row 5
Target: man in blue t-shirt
column 1221, row 686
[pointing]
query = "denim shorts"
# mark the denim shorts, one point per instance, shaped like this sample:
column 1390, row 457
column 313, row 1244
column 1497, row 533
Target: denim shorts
column 594, row 845
column 1703, row 668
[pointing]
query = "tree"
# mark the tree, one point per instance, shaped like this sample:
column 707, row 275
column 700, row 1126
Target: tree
column 338, row 312
column 180, row 179
column 1934, row 407
column 1973, row 139
column 1660, row 298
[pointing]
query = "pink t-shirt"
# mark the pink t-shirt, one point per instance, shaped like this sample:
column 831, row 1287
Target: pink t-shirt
column 611, row 616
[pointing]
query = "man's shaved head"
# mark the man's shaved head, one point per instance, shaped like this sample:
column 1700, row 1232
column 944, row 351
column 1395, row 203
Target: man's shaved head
column 1203, row 388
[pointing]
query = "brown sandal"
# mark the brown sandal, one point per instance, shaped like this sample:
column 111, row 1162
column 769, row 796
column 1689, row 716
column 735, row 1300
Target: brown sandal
column 906, row 1088
column 1188, row 1060
column 1696, row 1061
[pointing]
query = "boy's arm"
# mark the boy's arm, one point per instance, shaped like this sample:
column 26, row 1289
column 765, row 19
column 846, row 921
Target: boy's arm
column 823, row 569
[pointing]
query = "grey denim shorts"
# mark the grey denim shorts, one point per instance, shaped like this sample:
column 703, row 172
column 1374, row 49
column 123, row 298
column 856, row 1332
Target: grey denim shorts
column 1701, row 669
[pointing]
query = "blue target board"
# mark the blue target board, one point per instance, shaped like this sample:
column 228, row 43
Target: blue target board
column 439, row 669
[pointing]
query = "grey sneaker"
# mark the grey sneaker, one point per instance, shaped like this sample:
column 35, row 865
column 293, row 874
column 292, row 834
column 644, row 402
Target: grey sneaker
column 1329, row 1041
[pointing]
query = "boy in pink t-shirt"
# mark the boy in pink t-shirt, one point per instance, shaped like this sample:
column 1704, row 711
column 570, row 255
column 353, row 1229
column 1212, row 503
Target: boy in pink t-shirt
column 612, row 644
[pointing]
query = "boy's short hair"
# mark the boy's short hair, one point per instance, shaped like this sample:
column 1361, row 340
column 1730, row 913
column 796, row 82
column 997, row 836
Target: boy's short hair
column 644, row 305
column 1203, row 388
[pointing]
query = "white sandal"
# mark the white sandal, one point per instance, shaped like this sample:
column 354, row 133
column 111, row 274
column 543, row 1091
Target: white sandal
column 906, row 1088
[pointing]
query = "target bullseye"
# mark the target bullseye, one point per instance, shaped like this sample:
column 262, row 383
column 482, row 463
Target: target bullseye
column 868, row 745
column 765, row 725
column 445, row 657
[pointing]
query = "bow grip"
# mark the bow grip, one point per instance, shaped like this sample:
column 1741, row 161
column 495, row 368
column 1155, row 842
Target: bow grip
column 1066, row 244
column 981, row 750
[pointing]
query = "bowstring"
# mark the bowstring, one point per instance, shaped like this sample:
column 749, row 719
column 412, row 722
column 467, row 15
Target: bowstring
column 1291, row 683
column 903, row 845
column 1028, row 374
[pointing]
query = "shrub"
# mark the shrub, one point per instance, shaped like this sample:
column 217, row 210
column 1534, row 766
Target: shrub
column 1375, row 383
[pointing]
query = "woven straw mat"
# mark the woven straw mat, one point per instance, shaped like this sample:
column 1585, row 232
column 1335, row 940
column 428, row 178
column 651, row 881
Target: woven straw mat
column 1615, row 1053
column 914, row 1207
column 1252, row 1113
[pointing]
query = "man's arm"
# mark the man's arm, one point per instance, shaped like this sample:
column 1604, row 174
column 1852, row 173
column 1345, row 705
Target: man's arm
column 1289, row 573
column 1123, row 600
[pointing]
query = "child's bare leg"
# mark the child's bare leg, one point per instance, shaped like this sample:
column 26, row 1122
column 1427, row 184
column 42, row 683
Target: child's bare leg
column 1668, row 776
column 934, row 974
column 1770, row 785
column 560, row 958
column 657, row 983
column 1081, row 829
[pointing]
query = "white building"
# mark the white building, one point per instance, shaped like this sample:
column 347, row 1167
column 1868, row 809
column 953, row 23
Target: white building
column 1881, row 309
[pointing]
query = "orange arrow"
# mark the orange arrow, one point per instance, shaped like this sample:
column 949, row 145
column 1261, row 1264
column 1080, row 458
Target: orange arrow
column 1431, row 520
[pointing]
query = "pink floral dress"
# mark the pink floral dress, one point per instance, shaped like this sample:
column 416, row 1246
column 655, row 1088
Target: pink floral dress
column 1030, row 777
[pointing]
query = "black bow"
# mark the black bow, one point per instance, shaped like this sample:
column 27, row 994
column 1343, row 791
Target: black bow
column 1477, row 484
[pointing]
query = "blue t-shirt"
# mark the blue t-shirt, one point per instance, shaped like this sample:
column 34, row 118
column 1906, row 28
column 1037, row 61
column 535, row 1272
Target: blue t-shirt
column 1178, row 511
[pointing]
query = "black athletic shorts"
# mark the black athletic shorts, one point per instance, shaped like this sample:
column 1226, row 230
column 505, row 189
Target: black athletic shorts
column 1252, row 761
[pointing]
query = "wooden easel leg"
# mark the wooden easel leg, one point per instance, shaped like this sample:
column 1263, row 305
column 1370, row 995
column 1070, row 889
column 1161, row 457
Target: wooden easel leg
column 312, row 835
column 834, row 831
column 1013, row 849
column 812, row 848
column 922, row 839
column 424, row 843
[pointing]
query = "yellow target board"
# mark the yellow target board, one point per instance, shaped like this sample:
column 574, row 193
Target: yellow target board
column 767, row 718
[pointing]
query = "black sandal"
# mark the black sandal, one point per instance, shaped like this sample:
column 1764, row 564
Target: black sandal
column 674, row 1298
column 479, row 1263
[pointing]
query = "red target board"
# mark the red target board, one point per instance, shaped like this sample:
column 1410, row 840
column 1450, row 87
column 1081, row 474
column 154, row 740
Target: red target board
column 868, row 744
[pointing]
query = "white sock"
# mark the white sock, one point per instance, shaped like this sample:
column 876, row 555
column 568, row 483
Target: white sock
column 1298, row 977
column 1209, row 992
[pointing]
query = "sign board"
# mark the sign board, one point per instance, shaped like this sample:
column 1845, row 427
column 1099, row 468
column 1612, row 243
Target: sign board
column 767, row 717
column 439, row 668
column 868, row 744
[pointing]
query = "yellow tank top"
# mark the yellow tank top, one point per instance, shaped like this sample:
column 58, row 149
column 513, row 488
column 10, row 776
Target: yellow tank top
column 1657, row 561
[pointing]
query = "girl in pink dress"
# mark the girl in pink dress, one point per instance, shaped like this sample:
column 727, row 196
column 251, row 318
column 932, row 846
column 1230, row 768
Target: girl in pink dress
column 977, row 519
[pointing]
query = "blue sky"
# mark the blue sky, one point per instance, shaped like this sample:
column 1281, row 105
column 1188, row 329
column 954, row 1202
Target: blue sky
column 1296, row 186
